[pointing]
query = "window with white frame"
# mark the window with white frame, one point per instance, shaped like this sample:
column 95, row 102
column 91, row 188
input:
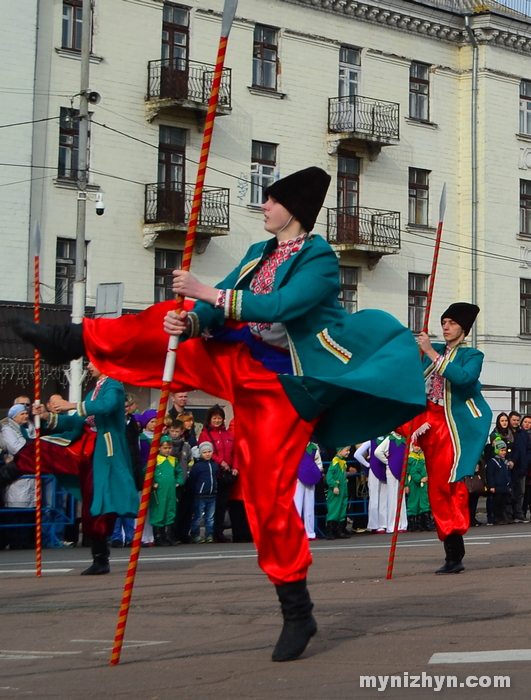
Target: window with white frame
column 265, row 57
column 417, row 300
column 418, row 196
column 263, row 169
column 166, row 261
column 419, row 91
column 72, row 24
column 525, row 107
column 348, row 296
column 349, row 71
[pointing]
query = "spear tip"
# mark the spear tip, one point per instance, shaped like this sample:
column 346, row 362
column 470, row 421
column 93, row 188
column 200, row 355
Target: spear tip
column 37, row 238
column 229, row 12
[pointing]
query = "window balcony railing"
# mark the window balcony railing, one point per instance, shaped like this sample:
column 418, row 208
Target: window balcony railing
column 365, row 117
column 359, row 226
column 186, row 81
column 171, row 203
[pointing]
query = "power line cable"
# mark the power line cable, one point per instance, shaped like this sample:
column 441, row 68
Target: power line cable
column 33, row 121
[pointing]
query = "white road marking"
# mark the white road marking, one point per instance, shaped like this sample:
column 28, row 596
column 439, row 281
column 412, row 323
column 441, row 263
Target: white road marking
column 130, row 644
column 111, row 641
column 18, row 654
column 32, row 571
column 469, row 657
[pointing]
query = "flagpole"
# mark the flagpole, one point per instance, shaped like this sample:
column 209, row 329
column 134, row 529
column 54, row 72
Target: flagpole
column 229, row 12
column 402, row 485
column 37, row 395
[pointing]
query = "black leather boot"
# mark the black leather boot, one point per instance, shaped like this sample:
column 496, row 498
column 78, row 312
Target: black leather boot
column 100, row 555
column 330, row 533
column 8, row 474
column 57, row 344
column 168, row 535
column 158, row 536
column 341, row 531
column 413, row 523
column 454, row 547
column 426, row 522
column 299, row 623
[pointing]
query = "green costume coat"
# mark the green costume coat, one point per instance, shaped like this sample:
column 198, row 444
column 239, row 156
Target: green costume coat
column 163, row 504
column 345, row 365
column 468, row 415
column 418, row 501
column 114, row 486
column 337, row 503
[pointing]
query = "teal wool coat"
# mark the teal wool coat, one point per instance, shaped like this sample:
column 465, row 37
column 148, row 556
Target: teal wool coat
column 114, row 486
column 360, row 372
column 468, row 415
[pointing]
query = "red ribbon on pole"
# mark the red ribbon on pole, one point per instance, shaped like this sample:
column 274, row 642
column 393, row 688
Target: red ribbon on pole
column 402, row 485
column 229, row 12
column 37, row 393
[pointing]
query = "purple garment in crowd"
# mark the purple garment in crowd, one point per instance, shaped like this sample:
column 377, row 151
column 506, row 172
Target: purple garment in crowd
column 377, row 467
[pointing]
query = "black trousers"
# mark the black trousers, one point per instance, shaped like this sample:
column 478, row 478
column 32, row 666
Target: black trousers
column 499, row 501
column 222, row 502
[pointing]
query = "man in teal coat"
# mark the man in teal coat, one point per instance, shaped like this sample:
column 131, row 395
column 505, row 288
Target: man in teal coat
column 454, row 429
column 273, row 340
column 88, row 452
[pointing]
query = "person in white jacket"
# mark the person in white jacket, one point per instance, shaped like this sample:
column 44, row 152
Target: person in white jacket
column 383, row 452
column 377, row 509
column 21, row 493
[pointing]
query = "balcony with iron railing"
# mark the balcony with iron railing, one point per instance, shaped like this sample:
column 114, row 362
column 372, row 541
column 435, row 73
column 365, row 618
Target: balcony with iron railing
column 177, row 83
column 168, row 207
column 360, row 228
column 359, row 117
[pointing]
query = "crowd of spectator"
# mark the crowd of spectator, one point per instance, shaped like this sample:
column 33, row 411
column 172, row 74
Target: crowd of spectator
column 197, row 495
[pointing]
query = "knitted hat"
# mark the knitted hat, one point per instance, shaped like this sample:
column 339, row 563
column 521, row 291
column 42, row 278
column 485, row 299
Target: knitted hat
column 16, row 409
column 462, row 313
column 206, row 446
column 165, row 438
column 148, row 415
column 302, row 193
column 499, row 445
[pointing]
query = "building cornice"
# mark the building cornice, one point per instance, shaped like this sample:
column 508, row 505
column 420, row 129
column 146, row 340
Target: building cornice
column 441, row 24
column 490, row 28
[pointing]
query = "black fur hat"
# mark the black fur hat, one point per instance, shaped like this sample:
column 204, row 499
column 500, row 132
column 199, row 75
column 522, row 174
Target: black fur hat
column 462, row 313
column 302, row 193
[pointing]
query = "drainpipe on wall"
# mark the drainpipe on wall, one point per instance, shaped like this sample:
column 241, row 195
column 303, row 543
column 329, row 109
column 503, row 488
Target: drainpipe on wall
column 474, row 168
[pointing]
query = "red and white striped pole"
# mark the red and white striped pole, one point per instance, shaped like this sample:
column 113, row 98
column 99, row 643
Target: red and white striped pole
column 402, row 486
column 229, row 12
column 37, row 393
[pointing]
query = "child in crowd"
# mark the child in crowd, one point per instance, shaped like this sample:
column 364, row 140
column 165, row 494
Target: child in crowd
column 180, row 448
column 336, row 499
column 163, row 504
column 182, row 451
column 189, row 435
column 418, row 503
column 202, row 482
column 499, row 481
column 148, row 420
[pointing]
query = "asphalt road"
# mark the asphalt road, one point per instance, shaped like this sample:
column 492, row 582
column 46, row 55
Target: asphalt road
column 204, row 619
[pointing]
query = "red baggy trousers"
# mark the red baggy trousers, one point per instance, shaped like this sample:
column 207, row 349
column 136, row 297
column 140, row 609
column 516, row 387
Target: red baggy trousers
column 448, row 501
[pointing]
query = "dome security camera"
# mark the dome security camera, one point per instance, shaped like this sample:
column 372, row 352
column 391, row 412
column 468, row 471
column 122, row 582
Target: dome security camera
column 100, row 206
